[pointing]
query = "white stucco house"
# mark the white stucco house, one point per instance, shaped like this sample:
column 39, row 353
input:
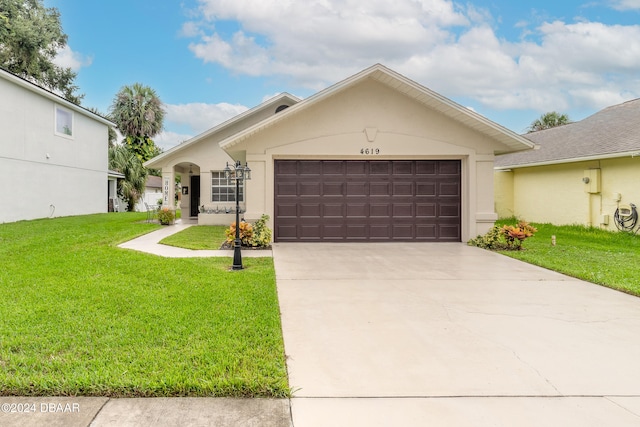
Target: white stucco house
column 53, row 154
column 375, row 157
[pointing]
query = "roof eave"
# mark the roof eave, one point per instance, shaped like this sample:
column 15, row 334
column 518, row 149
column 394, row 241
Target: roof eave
column 233, row 120
column 410, row 88
column 571, row 160
column 53, row 97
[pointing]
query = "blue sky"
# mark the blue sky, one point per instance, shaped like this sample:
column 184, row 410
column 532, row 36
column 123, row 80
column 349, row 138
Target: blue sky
column 211, row 59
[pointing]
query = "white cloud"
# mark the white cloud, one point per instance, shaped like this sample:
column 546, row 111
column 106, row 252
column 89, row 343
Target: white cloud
column 625, row 4
column 67, row 58
column 452, row 49
column 168, row 139
column 193, row 119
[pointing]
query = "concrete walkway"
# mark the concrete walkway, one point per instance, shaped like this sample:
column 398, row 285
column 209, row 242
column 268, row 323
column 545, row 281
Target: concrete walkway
column 450, row 335
column 410, row 335
column 150, row 243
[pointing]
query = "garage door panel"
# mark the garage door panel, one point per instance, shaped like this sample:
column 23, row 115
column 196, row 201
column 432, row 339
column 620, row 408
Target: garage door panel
column 287, row 210
column 380, row 168
column 403, row 231
column 449, row 189
column 356, row 232
column 403, row 167
column 286, row 167
column 355, row 168
column 379, row 210
column 367, row 200
column 309, row 189
column 426, row 210
column 449, row 168
column 357, row 189
column 448, row 210
column 333, row 210
column 309, row 210
column 333, row 188
column 379, row 189
column 402, row 210
column 403, row 188
column 449, row 232
column 287, row 188
column 333, row 168
column 357, row 210
column 310, row 167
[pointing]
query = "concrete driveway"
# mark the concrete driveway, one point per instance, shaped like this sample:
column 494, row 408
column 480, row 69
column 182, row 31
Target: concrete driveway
column 450, row 335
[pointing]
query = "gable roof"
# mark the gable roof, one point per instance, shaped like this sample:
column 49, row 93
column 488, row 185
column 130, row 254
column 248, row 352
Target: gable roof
column 612, row 132
column 411, row 89
column 270, row 104
column 154, row 181
column 19, row 81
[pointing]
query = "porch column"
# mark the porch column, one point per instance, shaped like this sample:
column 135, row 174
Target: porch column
column 168, row 189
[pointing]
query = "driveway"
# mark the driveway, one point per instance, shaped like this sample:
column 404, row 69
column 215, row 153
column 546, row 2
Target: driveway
column 450, row 335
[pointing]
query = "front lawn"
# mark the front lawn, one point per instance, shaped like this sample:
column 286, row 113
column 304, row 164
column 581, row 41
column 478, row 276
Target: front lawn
column 80, row 316
column 198, row 237
column 606, row 258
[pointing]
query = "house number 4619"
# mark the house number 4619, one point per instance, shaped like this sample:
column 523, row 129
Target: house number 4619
column 369, row 151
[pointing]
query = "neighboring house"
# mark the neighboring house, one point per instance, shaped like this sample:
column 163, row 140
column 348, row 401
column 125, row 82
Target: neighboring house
column 152, row 193
column 115, row 203
column 376, row 157
column 53, row 154
column 580, row 173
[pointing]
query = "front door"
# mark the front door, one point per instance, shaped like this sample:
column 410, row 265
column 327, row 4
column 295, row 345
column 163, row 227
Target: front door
column 194, row 200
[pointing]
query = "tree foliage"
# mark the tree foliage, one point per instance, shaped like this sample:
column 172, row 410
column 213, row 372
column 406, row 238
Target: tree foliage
column 30, row 37
column 139, row 115
column 549, row 120
column 123, row 160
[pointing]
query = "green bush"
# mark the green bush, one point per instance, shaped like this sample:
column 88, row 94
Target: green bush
column 507, row 237
column 166, row 216
column 261, row 233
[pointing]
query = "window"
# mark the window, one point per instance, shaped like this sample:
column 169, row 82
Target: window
column 64, row 122
column 223, row 190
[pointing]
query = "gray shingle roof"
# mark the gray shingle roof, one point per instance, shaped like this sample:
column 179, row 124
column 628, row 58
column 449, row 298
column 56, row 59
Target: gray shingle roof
column 614, row 130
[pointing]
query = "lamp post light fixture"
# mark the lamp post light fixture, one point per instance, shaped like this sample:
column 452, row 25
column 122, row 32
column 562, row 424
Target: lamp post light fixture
column 238, row 174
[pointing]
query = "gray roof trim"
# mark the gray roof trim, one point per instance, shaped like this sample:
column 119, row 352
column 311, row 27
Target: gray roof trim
column 572, row 160
column 421, row 94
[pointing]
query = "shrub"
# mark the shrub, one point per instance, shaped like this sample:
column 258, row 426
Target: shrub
column 246, row 233
column 261, row 233
column 507, row 237
column 166, row 216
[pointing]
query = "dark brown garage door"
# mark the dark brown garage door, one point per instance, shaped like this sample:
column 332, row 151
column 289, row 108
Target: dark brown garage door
column 344, row 200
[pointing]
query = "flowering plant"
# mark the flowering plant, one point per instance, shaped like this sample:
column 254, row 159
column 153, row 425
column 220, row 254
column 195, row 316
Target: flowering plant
column 166, row 216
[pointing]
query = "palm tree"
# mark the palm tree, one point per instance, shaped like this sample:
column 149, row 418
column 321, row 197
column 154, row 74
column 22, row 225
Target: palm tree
column 548, row 121
column 138, row 113
column 123, row 160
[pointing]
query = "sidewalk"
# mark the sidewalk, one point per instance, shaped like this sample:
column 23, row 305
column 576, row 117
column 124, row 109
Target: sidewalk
column 141, row 412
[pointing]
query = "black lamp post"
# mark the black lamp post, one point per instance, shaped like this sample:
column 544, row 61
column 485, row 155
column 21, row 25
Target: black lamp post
column 237, row 174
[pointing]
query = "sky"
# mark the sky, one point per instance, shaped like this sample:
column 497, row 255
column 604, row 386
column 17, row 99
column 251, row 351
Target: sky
column 209, row 60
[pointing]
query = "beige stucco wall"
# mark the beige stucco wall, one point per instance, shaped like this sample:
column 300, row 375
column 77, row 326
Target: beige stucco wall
column 557, row 194
column 400, row 128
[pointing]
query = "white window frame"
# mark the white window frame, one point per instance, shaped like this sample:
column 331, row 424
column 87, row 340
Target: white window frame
column 63, row 118
column 218, row 181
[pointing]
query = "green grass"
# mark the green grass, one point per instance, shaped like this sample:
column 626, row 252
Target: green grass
column 80, row 316
column 198, row 237
column 606, row 258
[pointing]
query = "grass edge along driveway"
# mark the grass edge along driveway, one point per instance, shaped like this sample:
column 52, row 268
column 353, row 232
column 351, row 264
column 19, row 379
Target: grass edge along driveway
column 80, row 316
column 607, row 258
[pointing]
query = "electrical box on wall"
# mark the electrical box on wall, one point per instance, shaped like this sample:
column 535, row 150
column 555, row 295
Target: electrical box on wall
column 591, row 179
